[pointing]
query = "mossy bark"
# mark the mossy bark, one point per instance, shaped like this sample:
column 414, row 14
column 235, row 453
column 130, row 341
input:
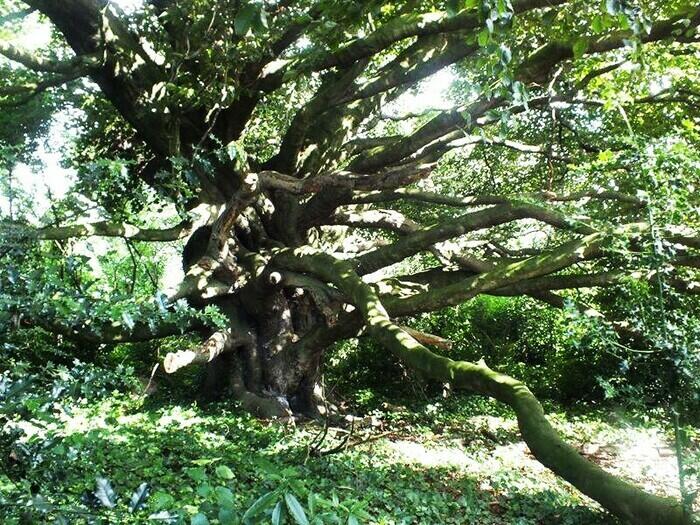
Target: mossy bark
column 621, row 498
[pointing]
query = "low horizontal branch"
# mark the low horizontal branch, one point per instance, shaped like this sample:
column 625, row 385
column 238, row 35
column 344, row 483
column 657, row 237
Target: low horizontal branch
column 100, row 229
column 74, row 65
column 485, row 200
column 214, row 346
column 26, row 92
column 503, row 275
column 423, row 239
column 112, row 333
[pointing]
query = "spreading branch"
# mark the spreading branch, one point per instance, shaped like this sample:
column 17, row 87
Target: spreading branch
column 620, row 497
column 100, row 229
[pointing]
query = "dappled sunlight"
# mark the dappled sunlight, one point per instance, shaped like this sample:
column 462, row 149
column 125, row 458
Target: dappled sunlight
column 640, row 453
column 431, row 456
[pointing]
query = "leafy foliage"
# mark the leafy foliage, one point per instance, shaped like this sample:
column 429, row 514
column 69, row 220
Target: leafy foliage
column 110, row 456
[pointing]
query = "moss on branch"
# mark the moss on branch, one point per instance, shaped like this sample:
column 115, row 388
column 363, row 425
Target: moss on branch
column 620, row 497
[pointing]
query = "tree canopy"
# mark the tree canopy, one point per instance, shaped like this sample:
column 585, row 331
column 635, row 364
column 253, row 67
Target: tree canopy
column 273, row 142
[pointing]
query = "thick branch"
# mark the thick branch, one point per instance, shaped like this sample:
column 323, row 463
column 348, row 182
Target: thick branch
column 421, row 240
column 391, row 178
column 486, row 200
column 27, row 92
column 102, row 229
column 620, row 497
column 408, row 26
column 499, row 277
column 79, row 64
column 113, row 334
column 534, row 69
column 212, row 348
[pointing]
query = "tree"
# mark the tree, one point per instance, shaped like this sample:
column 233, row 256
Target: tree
column 266, row 125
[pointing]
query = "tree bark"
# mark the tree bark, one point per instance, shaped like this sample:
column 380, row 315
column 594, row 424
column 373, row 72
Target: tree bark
column 620, row 497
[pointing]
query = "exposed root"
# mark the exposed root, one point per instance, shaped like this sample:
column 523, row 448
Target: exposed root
column 267, row 407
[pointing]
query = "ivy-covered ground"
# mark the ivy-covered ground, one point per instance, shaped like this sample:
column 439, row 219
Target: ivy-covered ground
column 80, row 445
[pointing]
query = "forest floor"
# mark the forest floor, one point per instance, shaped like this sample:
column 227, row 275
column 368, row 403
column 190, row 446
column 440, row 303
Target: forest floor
column 453, row 461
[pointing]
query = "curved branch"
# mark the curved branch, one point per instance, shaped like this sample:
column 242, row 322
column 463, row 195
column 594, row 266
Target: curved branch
column 410, row 26
column 534, row 69
column 494, row 216
column 418, row 62
column 29, row 91
column 618, row 496
column 500, row 276
column 91, row 26
column 538, row 66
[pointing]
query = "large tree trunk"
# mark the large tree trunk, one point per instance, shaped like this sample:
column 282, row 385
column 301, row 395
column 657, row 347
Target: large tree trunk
column 258, row 359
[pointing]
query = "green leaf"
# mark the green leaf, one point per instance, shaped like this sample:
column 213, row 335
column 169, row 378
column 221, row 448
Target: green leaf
column 352, row 520
column 598, row 25
column 295, row 509
column 311, row 502
column 40, row 503
column 237, row 154
column 202, row 461
column 483, row 38
column 197, row 474
column 199, row 519
column 506, row 54
column 204, row 490
column 139, row 497
column 277, row 514
column 580, row 47
column 227, row 516
column 261, row 21
column 245, row 18
column 160, row 500
column 128, row 320
column 452, row 7
column 105, row 493
column 224, row 472
column 224, row 496
column 503, row 7
column 606, row 156
column 260, row 504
